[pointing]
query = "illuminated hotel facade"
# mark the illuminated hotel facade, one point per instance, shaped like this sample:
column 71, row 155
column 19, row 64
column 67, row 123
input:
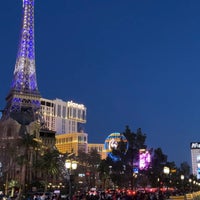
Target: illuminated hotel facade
column 63, row 116
column 67, row 119
column 72, row 143
column 100, row 149
column 75, row 142
column 195, row 155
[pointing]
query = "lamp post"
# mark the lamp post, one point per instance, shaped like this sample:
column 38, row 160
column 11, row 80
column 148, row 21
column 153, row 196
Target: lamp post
column 70, row 166
column 182, row 182
column 110, row 172
column 166, row 171
column 190, row 182
column 158, row 183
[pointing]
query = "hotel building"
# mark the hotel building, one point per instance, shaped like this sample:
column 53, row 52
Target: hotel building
column 67, row 119
column 195, row 155
column 63, row 116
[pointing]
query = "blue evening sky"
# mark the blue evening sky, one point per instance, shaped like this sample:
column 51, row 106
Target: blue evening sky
column 130, row 62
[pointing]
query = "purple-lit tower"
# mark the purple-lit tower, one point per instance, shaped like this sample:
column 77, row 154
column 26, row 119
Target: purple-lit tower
column 24, row 94
column 21, row 118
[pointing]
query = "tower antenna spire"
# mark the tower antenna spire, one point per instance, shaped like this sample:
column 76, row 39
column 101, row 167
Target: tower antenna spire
column 24, row 92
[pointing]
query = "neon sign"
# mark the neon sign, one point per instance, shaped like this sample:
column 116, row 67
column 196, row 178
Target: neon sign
column 144, row 159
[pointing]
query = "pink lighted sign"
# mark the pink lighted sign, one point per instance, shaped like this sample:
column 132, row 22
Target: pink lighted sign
column 144, row 159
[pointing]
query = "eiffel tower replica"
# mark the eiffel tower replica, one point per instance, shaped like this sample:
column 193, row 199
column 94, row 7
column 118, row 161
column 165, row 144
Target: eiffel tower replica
column 22, row 113
column 23, row 100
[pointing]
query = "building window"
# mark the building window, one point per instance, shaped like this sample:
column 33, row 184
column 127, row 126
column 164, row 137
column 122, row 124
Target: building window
column 80, row 139
column 9, row 132
column 59, row 111
column 79, row 114
column 83, row 115
column 63, row 125
column 64, row 112
column 74, row 113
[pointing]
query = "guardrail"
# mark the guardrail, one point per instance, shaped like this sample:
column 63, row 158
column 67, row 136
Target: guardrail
column 189, row 196
column 179, row 197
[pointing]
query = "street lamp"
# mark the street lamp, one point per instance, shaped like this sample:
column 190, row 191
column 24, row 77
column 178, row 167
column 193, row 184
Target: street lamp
column 166, row 170
column 182, row 179
column 190, row 184
column 158, row 183
column 110, row 172
column 70, row 165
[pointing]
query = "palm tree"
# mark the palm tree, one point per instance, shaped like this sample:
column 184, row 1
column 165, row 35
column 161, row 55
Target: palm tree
column 104, row 172
column 28, row 147
column 12, row 184
column 51, row 166
column 88, row 164
column 9, row 163
column 94, row 160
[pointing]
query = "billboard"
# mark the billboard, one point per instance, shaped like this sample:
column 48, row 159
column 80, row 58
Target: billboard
column 195, row 145
column 113, row 142
column 144, row 159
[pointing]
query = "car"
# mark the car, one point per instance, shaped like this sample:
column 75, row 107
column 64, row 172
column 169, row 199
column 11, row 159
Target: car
column 130, row 192
column 111, row 192
column 93, row 192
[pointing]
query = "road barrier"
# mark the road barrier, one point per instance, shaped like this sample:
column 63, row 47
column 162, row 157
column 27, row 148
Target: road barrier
column 189, row 196
column 180, row 197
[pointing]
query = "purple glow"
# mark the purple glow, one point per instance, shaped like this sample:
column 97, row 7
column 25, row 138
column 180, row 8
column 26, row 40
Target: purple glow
column 26, row 48
column 19, row 82
column 144, row 159
column 24, row 75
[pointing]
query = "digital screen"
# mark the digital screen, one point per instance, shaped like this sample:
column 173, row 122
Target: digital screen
column 144, row 159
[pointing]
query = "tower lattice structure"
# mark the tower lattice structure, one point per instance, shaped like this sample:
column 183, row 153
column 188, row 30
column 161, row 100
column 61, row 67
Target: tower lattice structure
column 23, row 100
column 20, row 117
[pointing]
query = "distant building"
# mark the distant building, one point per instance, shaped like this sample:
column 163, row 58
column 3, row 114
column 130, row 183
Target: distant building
column 47, row 138
column 100, row 149
column 195, row 155
column 63, row 116
column 75, row 142
column 67, row 119
column 72, row 142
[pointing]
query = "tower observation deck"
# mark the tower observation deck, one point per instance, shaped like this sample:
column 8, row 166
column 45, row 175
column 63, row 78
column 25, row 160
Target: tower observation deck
column 24, row 95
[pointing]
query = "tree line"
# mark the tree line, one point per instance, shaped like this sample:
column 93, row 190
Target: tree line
column 42, row 167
